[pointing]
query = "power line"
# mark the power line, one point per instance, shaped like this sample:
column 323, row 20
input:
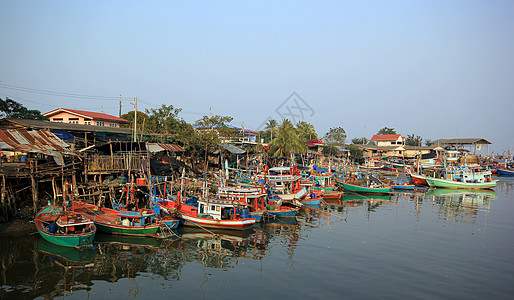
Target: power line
column 54, row 93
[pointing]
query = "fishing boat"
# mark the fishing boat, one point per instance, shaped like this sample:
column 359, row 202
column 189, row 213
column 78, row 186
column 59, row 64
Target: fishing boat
column 418, row 179
column 372, row 189
column 505, row 172
column 255, row 197
column 452, row 184
column 64, row 228
column 125, row 220
column 275, row 209
column 364, row 189
column 215, row 213
column 409, row 187
column 463, row 177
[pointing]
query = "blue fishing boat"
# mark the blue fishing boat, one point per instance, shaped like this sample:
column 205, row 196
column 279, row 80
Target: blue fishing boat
column 505, row 172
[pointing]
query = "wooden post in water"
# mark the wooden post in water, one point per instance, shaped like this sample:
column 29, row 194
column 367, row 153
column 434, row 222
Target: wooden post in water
column 34, row 192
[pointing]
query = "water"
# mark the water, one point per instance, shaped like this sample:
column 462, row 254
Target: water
column 441, row 244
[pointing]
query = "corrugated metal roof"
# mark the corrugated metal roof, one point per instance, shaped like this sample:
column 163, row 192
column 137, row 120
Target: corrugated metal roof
column 64, row 126
column 37, row 141
column 157, row 147
column 462, row 141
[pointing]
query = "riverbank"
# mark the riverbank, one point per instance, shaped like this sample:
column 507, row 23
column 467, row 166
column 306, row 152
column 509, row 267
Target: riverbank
column 17, row 227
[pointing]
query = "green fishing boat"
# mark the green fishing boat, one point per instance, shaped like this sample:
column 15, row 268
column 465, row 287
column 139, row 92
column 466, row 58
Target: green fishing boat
column 64, row 228
column 451, row 184
column 363, row 189
column 139, row 222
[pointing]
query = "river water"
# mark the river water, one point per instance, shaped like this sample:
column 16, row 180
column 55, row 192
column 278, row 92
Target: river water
column 441, row 244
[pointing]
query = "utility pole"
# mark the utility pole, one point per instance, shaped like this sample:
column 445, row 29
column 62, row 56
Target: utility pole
column 135, row 119
column 135, row 115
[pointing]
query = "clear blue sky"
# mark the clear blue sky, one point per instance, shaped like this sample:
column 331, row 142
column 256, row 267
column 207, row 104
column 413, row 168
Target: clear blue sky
column 433, row 68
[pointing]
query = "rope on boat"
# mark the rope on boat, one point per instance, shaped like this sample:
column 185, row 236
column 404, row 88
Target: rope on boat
column 204, row 229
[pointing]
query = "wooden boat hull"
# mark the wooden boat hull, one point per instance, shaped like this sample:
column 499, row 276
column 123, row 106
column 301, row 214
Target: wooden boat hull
column 107, row 220
column 504, row 172
column 449, row 184
column 126, row 230
column 283, row 212
column 66, row 240
column 419, row 180
column 409, row 187
column 240, row 224
column 362, row 189
column 333, row 195
column 171, row 223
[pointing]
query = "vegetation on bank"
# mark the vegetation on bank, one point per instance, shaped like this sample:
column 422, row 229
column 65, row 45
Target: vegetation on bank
column 164, row 124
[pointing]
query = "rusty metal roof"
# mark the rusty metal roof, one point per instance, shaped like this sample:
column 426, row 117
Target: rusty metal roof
column 157, row 147
column 38, row 141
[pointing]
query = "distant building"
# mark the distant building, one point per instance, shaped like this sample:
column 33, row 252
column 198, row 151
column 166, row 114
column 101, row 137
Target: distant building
column 73, row 116
column 388, row 139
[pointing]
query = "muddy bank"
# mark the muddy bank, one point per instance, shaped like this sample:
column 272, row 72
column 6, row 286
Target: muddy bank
column 17, row 227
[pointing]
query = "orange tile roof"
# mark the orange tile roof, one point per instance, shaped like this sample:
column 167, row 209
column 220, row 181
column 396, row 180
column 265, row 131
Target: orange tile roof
column 87, row 114
column 386, row 137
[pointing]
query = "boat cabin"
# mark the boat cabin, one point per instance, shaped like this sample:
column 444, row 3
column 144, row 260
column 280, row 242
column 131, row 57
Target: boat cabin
column 222, row 209
column 136, row 218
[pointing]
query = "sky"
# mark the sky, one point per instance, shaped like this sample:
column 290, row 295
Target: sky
column 437, row 69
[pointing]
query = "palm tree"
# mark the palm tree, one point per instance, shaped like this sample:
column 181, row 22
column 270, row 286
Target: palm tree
column 287, row 140
column 271, row 126
column 306, row 131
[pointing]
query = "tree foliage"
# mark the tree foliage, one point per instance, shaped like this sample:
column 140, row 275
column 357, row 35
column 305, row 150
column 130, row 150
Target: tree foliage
column 355, row 151
column 271, row 127
column 336, row 136
column 386, row 130
column 413, row 140
column 287, row 140
column 14, row 110
column 306, row 131
column 360, row 141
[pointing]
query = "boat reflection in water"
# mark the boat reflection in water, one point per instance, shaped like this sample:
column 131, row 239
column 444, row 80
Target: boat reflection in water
column 460, row 205
column 66, row 266
column 357, row 201
column 67, row 256
column 221, row 248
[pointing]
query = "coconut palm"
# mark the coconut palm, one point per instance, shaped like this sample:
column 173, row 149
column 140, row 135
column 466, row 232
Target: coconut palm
column 306, row 131
column 271, row 126
column 287, row 140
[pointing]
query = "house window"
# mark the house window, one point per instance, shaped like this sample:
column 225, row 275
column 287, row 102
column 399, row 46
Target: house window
column 114, row 124
column 100, row 123
column 87, row 122
column 73, row 120
column 57, row 120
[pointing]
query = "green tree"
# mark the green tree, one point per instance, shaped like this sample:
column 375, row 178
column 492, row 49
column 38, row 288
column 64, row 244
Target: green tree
column 335, row 135
column 360, row 141
column 209, row 133
column 287, row 140
column 428, row 142
column 330, row 149
column 14, row 110
column 386, row 130
column 306, row 131
column 413, row 140
column 355, row 151
column 271, row 126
